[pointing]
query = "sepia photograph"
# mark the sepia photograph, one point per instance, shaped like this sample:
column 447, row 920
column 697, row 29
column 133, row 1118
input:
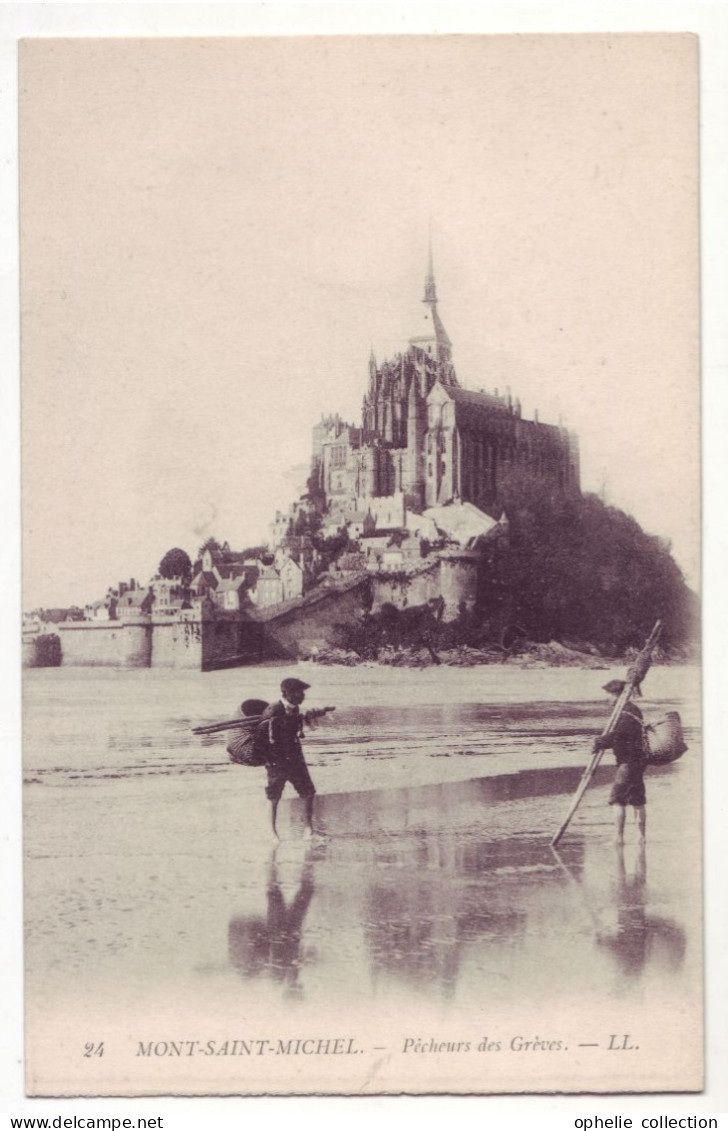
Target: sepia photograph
column 362, row 725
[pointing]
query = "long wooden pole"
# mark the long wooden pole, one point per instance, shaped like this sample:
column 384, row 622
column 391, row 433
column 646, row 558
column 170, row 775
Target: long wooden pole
column 213, row 728
column 635, row 675
column 243, row 720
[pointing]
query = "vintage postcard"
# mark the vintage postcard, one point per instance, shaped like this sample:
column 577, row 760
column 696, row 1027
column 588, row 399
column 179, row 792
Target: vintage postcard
column 361, row 517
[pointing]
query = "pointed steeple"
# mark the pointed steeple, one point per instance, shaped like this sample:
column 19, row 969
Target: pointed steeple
column 372, row 374
column 430, row 290
column 434, row 341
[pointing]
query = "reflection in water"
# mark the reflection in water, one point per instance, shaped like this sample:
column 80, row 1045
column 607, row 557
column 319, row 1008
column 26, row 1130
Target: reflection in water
column 417, row 935
column 435, row 905
column 451, row 902
column 272, row 946
column 640, row 938
column 438, row 799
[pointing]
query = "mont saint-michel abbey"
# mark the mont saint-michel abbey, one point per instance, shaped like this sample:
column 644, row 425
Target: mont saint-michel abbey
column 425, row 438
column 405, row 510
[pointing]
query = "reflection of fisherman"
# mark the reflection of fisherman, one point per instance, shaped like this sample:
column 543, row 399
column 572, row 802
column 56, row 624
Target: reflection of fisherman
column 626, row 739
column 273, row 945
column 285, row 761
column 629, row 942
column 640, row 937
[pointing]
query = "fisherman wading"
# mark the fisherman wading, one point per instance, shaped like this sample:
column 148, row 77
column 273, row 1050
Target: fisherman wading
column 627, row 742
column 284, row 759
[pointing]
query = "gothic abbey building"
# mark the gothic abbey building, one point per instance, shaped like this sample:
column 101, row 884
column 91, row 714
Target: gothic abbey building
column 424, row 437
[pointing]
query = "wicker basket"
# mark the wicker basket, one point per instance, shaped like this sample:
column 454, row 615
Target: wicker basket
column 664, row 740
column 243, row 749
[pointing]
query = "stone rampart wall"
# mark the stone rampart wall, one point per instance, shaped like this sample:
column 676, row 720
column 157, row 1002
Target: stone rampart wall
column 110, row 644
column 312, row 625
column 405, row 591
column 176, row 643
column 458, row 582
column 296, row 628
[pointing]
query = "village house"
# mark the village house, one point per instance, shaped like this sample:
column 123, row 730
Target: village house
column 232, row 593
column 135, row 602
column 291, row 576
column 170, row 595
column 268, row 589
column 204, row 583
column 221, row 564
column 102, row 610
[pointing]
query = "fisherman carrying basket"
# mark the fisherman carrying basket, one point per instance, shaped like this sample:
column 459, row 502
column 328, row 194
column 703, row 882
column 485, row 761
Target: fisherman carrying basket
column 637, row 746
column 627, row 741
column 270, row 735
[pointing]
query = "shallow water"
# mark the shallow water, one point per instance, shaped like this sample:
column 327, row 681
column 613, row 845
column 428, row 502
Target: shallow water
column 390, row 725
column 150, row 878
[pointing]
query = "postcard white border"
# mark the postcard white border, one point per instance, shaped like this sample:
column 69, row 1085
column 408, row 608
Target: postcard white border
column 710, row 22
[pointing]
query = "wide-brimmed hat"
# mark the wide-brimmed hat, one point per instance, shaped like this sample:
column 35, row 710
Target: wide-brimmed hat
column 617, row 686
column 293, row 684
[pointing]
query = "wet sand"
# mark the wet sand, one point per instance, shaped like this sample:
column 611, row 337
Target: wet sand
column 159, row 912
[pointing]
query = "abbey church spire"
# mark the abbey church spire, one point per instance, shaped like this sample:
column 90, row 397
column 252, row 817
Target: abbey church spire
column 433, row 339
column 430, row 291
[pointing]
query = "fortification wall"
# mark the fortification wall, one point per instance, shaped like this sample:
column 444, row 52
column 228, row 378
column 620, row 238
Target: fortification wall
column 230, row 640
column 458, row 581
column 452, row 577
column 297, row 628
column 30, row 656
column 160, row 643
column 311, row 624
column 176, row 643
column 106, row 644
column 405, row 591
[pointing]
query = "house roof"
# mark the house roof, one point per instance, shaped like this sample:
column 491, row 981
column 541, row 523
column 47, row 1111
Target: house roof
column 461, row 522
column 422, row 525
column 377, row 537
column 206, row 576
column 134, row 598
column 229, row 570
column 232, row 584
column 267, row 573
column 54, row 616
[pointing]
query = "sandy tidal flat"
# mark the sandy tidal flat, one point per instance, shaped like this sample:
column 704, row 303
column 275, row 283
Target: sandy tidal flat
column 430, row 919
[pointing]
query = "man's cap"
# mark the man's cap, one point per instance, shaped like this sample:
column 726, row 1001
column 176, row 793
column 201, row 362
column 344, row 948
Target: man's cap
column 293, row 684
column 617, row 686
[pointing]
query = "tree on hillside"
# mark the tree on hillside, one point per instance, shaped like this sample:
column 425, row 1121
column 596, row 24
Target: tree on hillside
column 176, row 563
column 330, row 548
column 253, row 552
column 306, row 522
column 577, row 568
column 209, row 544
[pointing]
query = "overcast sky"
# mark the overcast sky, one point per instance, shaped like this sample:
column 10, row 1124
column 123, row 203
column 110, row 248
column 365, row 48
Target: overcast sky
column 215, row 232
